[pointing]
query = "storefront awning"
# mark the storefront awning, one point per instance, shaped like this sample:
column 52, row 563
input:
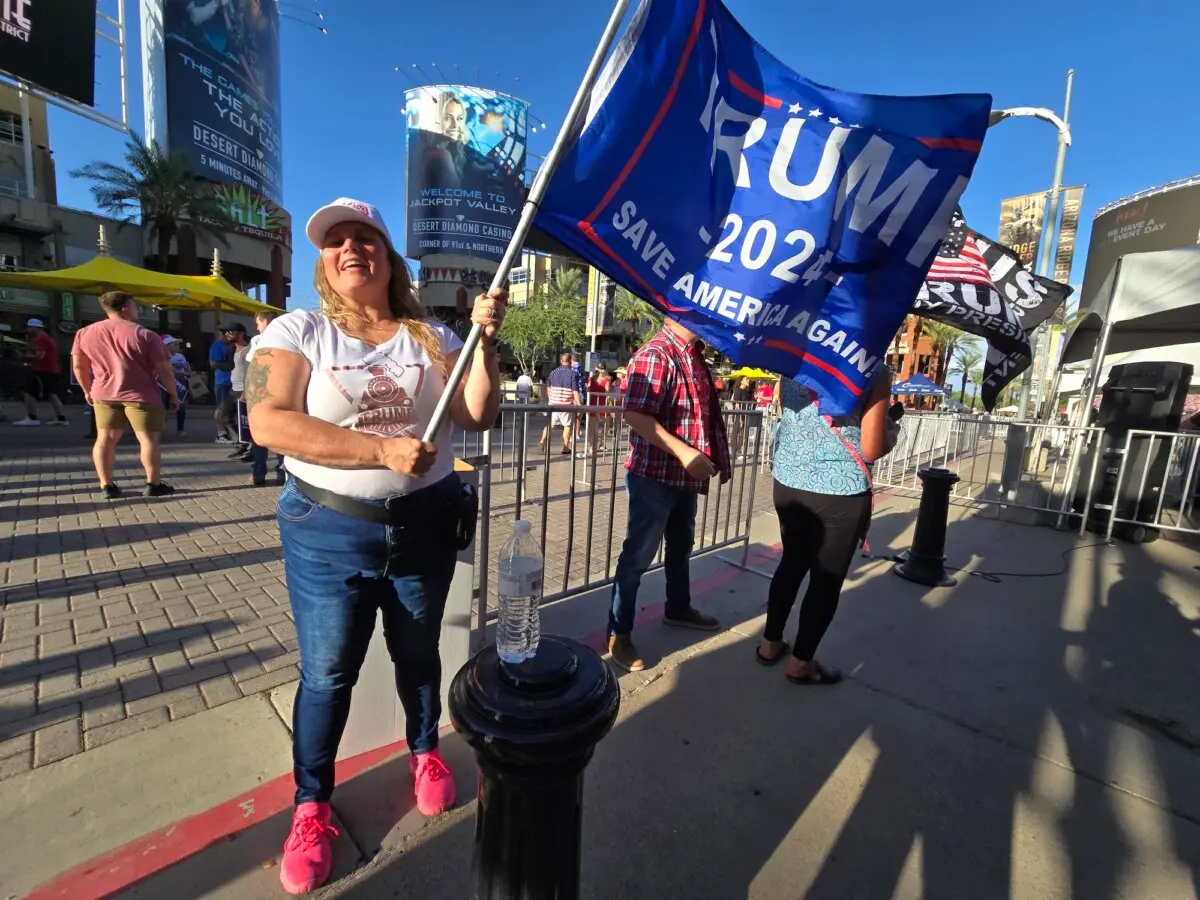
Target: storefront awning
column 173, row 291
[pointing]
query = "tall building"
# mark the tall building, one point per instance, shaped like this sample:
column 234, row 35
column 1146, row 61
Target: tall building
column 537, row 270
column 38, row 234
column 909, row 354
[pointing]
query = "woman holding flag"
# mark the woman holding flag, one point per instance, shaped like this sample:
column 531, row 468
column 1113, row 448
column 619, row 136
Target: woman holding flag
column 371, row 517
column 822, row 496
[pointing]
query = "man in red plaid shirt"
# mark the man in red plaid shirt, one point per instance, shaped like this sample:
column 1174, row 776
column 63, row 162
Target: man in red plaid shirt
column 677, row 444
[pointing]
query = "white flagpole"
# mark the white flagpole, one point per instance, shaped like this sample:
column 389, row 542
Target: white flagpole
column 540, row 182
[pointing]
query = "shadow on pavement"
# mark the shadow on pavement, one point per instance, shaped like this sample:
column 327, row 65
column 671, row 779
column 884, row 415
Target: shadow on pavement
column 79, row 584
column 969, row 751
column 68, row 540
column 1025, row 737
column 27, row 700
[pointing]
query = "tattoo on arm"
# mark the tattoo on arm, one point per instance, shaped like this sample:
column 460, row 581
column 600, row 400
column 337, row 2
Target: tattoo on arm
column 257, row 377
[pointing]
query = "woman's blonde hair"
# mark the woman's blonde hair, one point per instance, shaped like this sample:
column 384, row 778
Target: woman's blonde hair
column 402, row 301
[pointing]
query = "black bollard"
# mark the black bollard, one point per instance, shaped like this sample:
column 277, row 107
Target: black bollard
column 926, row 559
column 534, row 727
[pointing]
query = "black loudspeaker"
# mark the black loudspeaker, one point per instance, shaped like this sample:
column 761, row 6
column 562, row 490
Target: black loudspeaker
column 1146, row 396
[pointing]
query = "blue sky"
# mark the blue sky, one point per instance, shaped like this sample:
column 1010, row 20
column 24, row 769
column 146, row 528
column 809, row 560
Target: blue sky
column 1134, row 118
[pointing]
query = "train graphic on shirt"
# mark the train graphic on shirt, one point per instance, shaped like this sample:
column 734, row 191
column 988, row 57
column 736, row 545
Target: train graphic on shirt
column 383, row 395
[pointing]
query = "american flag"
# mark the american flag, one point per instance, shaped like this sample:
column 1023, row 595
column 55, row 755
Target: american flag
column 959, row 259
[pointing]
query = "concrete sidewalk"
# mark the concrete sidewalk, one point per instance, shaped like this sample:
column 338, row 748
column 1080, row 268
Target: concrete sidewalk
column 1011, row 736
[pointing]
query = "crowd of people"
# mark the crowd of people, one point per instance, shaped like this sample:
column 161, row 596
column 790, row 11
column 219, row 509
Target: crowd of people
column 569, row 385
column 130, row 376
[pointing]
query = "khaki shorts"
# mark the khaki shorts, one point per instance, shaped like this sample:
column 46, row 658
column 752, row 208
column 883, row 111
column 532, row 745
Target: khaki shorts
column 143, row 417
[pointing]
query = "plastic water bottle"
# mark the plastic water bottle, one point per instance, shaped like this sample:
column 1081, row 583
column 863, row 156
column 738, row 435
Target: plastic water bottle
column 520, row 625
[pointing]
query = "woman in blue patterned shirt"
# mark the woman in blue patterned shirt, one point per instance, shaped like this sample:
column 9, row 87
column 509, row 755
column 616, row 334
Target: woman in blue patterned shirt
column 823, row 498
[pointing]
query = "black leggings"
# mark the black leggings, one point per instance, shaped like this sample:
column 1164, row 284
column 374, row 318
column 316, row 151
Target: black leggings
column 820, row 533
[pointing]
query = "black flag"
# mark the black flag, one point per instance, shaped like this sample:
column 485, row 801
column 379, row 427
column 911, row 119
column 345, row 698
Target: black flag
column 980, row 287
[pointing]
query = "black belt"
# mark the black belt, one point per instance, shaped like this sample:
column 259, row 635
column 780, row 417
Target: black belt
column 348, row 506
column 423, row 511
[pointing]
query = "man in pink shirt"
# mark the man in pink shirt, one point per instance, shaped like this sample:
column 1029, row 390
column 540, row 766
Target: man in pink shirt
column 120, row 365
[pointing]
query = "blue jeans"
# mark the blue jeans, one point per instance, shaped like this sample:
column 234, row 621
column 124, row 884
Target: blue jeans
column 339, row 571
column 258, row 462
column 657, row 512
column 221, row 394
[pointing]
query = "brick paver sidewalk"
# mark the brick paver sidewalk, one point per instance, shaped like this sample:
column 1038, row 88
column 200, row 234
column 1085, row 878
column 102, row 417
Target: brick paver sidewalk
column 117, row 616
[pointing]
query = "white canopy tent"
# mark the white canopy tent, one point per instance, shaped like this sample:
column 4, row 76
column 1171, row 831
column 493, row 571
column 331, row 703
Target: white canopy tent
column 1149, row 300
column 1072, row 382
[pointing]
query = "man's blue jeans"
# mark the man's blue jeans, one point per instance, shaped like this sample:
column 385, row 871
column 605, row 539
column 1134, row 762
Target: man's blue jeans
column 258, row 462
column 657, row 513
column 339, row 571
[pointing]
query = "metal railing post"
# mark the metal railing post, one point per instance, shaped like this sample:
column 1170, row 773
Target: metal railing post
column 484, row 542
column 753, row 484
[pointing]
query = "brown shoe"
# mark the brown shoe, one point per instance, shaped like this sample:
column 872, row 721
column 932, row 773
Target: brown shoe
column 693, row 618
column 624, row 654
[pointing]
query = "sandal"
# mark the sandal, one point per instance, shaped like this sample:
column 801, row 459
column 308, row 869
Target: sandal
column 784, row 647
column 820, row 674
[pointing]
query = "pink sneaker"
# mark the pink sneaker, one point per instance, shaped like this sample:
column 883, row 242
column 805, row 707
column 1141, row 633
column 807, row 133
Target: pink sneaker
column 433, row 783
column 307, row 854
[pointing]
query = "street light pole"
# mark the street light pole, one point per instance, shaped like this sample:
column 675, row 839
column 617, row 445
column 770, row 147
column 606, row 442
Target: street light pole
column 1049, row 245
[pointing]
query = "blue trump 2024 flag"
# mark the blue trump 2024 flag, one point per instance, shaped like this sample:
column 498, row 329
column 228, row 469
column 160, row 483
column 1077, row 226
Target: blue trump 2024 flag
column 788, row 225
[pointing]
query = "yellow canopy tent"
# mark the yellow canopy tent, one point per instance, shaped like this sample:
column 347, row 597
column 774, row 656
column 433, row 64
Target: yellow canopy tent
column 107, row 274
column 757, row 374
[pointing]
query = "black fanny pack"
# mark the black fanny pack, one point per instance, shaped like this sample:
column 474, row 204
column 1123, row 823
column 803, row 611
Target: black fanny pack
column 432, row 509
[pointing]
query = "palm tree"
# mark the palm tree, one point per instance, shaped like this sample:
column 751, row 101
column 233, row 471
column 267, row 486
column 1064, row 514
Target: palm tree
column 968, row 364
column 563, row 299
column 161, row 189
column 945, row 340
column 976, row 378
column 637, row 312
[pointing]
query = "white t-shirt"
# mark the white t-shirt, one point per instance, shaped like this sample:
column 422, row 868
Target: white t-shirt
column 390, row 390
column 524, row 386
column 241, row 362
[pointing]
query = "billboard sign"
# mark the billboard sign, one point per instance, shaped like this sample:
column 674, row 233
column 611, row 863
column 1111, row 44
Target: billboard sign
column 51, row 45
column 1021, row 225
column 1161, row 221
column 466, row 170
column 1064, row 255
column 601, row 305
column 222, row 71
column 253, row 214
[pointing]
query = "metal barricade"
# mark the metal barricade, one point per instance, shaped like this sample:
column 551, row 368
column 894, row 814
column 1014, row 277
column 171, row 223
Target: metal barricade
column 1004, row 464
column 573, row 494
column 1164, row 468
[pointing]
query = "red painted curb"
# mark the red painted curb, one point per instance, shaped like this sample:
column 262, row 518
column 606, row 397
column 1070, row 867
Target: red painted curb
column 125, row 866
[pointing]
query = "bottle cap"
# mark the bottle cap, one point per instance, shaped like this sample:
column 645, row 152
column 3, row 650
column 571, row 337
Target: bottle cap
column 521, row 526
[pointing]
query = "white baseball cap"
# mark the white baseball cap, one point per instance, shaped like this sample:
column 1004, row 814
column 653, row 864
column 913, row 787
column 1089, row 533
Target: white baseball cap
column 34, row 323
column 170, row 339
column 345, row 209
